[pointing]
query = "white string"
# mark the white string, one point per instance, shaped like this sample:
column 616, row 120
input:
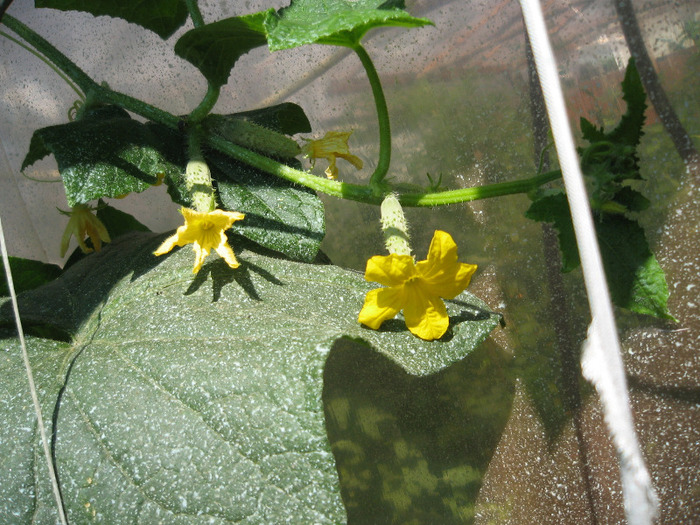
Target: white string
column 601, row 361
column 30, row 377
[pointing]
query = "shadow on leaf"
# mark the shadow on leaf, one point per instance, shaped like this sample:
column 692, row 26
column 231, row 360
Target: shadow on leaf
column 413, row 449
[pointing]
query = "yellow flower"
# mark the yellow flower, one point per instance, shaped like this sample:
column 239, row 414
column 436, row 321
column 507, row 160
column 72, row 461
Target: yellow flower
column 81, row 223
column 205, row 230
column 333, row 144
column 416, row 288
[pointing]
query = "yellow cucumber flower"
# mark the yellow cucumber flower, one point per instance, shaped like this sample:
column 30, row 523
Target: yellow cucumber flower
column 416, row 288
column 205, row 230
column 333, row 144
column 83, row 223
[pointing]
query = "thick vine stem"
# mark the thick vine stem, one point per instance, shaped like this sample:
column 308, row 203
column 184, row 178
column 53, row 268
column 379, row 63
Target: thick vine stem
column 206, row 105
column 382, row 116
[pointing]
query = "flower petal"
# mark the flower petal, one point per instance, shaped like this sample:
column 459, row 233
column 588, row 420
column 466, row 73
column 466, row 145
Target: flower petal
column 168, row 244
column 352, row 159
column 390, row 270
column 442, row 255
column 380, row 304
column 200, row 254
column 426, row 315
column 441, row 272
column 67, row 234
column 226, row 253
column 205, row 231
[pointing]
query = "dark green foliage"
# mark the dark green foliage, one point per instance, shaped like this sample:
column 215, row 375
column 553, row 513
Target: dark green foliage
column 635, row 279
column 214, row 48
column 103, row 154
column 279, row 215
column 162, row 17
column 27, row 275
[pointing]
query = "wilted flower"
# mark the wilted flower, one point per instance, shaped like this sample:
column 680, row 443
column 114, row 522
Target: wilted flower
column 333, row 144
column 83, row 223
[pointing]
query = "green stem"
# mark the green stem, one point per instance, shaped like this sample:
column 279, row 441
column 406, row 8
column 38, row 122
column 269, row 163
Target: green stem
column 61, row 61
column 137, row 106
column 195, row 13
column 478, row 192
column 45, row 61
column 334, row 188
column 206, row 105
column 342, row 190
column 382, row 116
column 362, row 193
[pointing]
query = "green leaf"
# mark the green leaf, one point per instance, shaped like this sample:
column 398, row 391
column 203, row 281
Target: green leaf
column 636, row 280
column 25, row 486
column 175, row 155
column 118, row 222
column 278, row 215
column 554, row 208
column 27, row 274
column 105, row 154
column 629, row 129
column 334, row 22
column 192, row 400
column 214, row 48
column 162, row 17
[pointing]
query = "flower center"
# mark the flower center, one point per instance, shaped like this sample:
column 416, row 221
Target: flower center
column 412, row 281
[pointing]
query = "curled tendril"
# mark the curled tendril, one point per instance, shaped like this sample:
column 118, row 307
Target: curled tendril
column 74, row 109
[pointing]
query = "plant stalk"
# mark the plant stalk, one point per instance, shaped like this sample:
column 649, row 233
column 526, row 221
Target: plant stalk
column 195, row 13
column 382, row 116
column 342, row 190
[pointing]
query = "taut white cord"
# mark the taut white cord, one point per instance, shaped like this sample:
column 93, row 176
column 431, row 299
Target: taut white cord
column 601, row 361
column 30, row 377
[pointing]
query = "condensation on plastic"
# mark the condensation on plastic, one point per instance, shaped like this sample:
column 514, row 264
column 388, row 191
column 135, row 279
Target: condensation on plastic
column 444, row 87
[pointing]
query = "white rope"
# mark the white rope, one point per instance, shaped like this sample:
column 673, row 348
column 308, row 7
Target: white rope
column 30, row 377
column 601, row 361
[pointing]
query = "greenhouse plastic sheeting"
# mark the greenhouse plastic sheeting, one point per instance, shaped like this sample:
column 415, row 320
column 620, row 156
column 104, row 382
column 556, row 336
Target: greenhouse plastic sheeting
column 460, row 97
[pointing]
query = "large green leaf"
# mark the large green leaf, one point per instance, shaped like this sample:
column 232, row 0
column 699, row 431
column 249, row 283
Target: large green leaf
column 196, row 400
column 214, row 48
column 105, row 154
column 27, row 274
column 635, row 279
column 334, row 22
column 25, row 487
column 279, row 215
column 162, row 17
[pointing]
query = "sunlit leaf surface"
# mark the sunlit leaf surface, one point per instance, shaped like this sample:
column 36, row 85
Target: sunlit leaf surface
column 195, row 399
